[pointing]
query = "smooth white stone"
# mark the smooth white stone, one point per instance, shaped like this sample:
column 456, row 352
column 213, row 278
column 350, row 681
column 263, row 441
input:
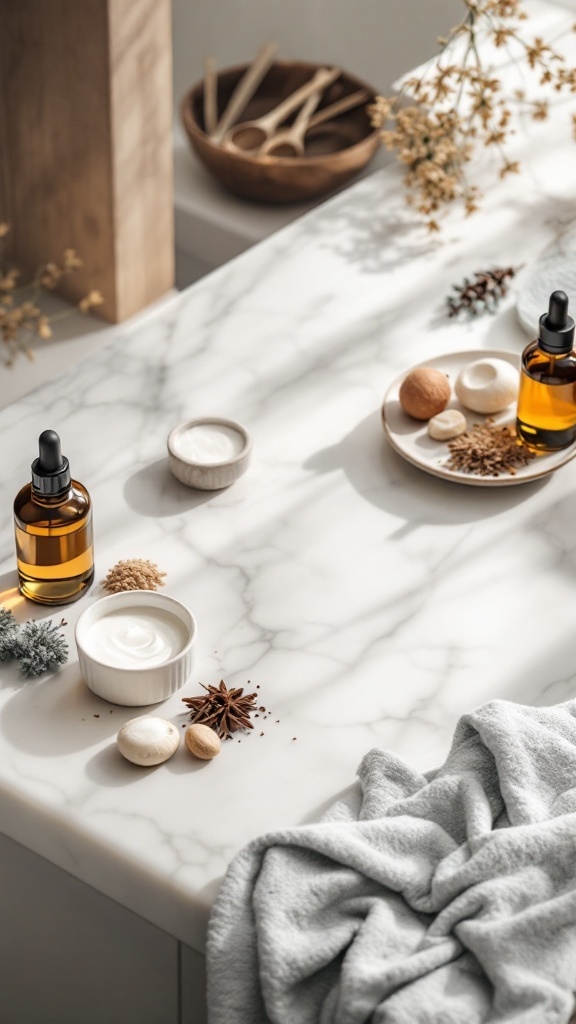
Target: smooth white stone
column 148, row 741
column 487, row 385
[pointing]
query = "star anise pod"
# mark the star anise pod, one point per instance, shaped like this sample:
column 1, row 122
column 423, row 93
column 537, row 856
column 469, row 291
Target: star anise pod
column 222, row 709
column 481, row 295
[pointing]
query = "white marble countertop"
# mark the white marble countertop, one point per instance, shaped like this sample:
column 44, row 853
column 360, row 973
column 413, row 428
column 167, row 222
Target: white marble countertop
column 371, row 603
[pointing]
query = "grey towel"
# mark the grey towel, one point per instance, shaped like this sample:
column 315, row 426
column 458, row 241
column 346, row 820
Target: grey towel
column 445, row 898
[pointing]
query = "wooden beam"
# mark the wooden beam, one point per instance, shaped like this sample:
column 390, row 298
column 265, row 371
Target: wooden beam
column 86, row 143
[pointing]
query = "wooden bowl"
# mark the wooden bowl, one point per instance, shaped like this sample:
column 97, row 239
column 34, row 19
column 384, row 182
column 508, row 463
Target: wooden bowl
column 334, row 152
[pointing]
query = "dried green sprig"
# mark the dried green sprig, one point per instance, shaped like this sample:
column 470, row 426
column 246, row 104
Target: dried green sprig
column 482, row 294
column 437, row 118
column 38, row 647
column 8, row 634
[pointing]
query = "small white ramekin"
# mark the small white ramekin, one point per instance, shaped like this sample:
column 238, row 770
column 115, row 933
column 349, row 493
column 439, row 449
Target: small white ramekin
column 135, row 687
column 209, row 476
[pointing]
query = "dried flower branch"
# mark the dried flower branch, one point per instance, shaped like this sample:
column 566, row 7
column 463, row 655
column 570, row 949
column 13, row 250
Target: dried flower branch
column 436, row 119
column 21, row 318
column 133, row 574
column 481, row 295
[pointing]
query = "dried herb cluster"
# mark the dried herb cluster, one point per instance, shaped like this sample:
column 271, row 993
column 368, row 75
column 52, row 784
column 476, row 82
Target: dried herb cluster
column 488, row 451
column 133, row 574
column 482, row 294
column 434, row 122
column 222, row 709
column 21, row 318
column 37, row 647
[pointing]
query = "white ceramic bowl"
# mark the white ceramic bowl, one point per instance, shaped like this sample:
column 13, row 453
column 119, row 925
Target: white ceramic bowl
column 135, row 686
column 208, row 473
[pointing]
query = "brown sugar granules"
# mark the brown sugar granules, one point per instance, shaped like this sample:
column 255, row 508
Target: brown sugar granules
column 133, row 574
column 488, row 450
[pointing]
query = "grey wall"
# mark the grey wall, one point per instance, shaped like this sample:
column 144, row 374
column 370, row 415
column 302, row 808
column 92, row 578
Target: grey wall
column 376, row 39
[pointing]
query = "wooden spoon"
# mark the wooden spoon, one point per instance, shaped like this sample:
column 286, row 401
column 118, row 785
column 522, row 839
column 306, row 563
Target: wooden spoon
column 355, row 99
column 245, row 90
column 290, row 141
column 210, row 96
column 249, row 136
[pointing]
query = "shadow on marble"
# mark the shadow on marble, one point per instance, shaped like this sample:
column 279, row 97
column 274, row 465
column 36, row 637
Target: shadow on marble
column 545, row 681
column 385, row 479
column 376, row 236
column 351, row 795
column 73, row 717
column 183, row 762
column 108, row 768
column 153, row 491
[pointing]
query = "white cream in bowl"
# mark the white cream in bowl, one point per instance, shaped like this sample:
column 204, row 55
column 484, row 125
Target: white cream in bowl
column 209, row 453
column 209, row 443
column 135, row 647
column 135, row 638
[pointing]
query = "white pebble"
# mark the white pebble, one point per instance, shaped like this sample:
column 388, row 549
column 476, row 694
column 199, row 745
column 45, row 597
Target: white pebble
column 147, row 740
column 447, row 424
column 487, row 385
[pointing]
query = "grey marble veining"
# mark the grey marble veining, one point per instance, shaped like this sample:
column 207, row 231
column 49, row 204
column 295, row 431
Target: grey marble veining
column 371, row 603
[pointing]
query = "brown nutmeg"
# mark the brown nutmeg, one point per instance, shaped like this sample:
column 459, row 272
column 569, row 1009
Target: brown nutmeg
column 202, row 741
column 424, row 392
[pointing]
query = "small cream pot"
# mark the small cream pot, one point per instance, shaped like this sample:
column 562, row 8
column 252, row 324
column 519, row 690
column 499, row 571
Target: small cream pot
column 136, row 647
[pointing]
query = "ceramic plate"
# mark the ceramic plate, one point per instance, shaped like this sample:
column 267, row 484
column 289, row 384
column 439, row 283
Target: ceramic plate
column 410, row 437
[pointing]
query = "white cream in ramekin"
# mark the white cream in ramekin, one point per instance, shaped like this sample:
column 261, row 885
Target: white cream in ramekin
column 135, row 647
column 209, row 453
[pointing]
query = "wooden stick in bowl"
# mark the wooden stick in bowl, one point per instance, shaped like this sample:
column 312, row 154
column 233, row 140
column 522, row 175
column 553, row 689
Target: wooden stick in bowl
column 210, row 96
column 245, row 90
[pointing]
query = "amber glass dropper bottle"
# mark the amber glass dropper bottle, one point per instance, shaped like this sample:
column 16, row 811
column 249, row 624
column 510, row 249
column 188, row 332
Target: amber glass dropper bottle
column 546, row 416
column 53, row 524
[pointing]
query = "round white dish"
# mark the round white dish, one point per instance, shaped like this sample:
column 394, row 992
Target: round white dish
column 410, row 437
column 554, row 269
column 135, row 685
column 204, row 473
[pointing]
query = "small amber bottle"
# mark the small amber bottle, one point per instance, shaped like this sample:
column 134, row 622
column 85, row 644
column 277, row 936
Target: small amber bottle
column 53, row 523
column 546, row 415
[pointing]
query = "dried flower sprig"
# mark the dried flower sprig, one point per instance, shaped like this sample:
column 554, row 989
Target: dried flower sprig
column 21, row 317
column 482, row 294
column 133, row 574
column 437, row 117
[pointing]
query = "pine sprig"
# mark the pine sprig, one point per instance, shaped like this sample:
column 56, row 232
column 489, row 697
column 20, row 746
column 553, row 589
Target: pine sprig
column 8, row 634
column 482, row 294
column 38, row 647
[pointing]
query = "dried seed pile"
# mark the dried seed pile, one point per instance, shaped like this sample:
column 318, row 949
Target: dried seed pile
column 133, row 574
column 488, row 450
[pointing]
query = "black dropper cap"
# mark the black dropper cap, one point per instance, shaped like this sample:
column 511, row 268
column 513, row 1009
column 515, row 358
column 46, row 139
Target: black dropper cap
column 50, row 471
column 556, row 327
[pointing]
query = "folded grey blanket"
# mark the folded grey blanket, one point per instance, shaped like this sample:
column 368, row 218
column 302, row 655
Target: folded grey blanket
column 445, row 898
